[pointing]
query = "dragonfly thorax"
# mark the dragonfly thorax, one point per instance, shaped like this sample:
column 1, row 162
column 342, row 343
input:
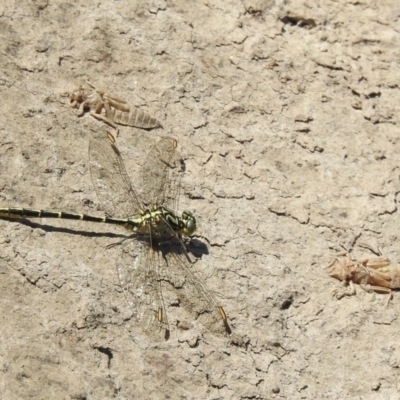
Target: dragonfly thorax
column 163, row 221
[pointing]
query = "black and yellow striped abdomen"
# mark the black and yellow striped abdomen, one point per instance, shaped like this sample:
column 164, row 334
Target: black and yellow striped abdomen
column 13, row 212
column 160, row 220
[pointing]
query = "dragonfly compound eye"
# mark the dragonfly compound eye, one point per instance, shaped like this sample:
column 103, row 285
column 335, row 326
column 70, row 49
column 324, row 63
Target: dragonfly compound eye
column 190, row 223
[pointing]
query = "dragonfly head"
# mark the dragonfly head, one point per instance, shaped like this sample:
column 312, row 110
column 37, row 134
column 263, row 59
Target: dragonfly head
column 190, row 223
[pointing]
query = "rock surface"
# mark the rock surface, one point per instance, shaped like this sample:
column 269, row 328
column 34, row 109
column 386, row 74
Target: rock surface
column 286, row 115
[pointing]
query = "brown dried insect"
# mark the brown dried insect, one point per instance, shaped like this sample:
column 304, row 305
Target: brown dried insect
column 117, row 111
column 377, row 274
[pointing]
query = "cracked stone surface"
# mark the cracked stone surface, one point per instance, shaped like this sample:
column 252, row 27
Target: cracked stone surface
column 286, row 115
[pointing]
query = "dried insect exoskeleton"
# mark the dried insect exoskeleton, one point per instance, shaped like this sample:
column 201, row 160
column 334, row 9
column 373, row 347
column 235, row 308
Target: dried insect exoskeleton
column 116, row 111
column 378, row 274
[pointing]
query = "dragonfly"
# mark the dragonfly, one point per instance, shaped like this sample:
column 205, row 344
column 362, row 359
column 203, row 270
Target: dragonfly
column 156, row 259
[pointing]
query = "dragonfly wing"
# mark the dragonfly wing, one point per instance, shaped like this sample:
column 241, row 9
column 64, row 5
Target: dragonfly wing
column 138, row 276
column 161, row 175
column 110, row 179
column 192, row 292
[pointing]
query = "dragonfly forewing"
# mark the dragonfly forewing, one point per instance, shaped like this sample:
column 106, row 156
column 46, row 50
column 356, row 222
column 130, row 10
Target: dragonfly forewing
column 192, row 293
column 162, row 174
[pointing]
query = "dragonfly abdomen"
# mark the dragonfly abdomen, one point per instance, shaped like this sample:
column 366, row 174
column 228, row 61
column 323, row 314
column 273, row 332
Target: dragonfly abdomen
column 29, row 213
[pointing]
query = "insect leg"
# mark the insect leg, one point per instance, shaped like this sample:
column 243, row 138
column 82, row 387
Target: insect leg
column 103, row 118
column 340, row 293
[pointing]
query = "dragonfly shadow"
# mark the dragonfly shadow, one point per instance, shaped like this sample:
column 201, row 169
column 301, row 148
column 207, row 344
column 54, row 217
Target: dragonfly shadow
column 51, row 228
column 197, row 248
column 173, row 244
